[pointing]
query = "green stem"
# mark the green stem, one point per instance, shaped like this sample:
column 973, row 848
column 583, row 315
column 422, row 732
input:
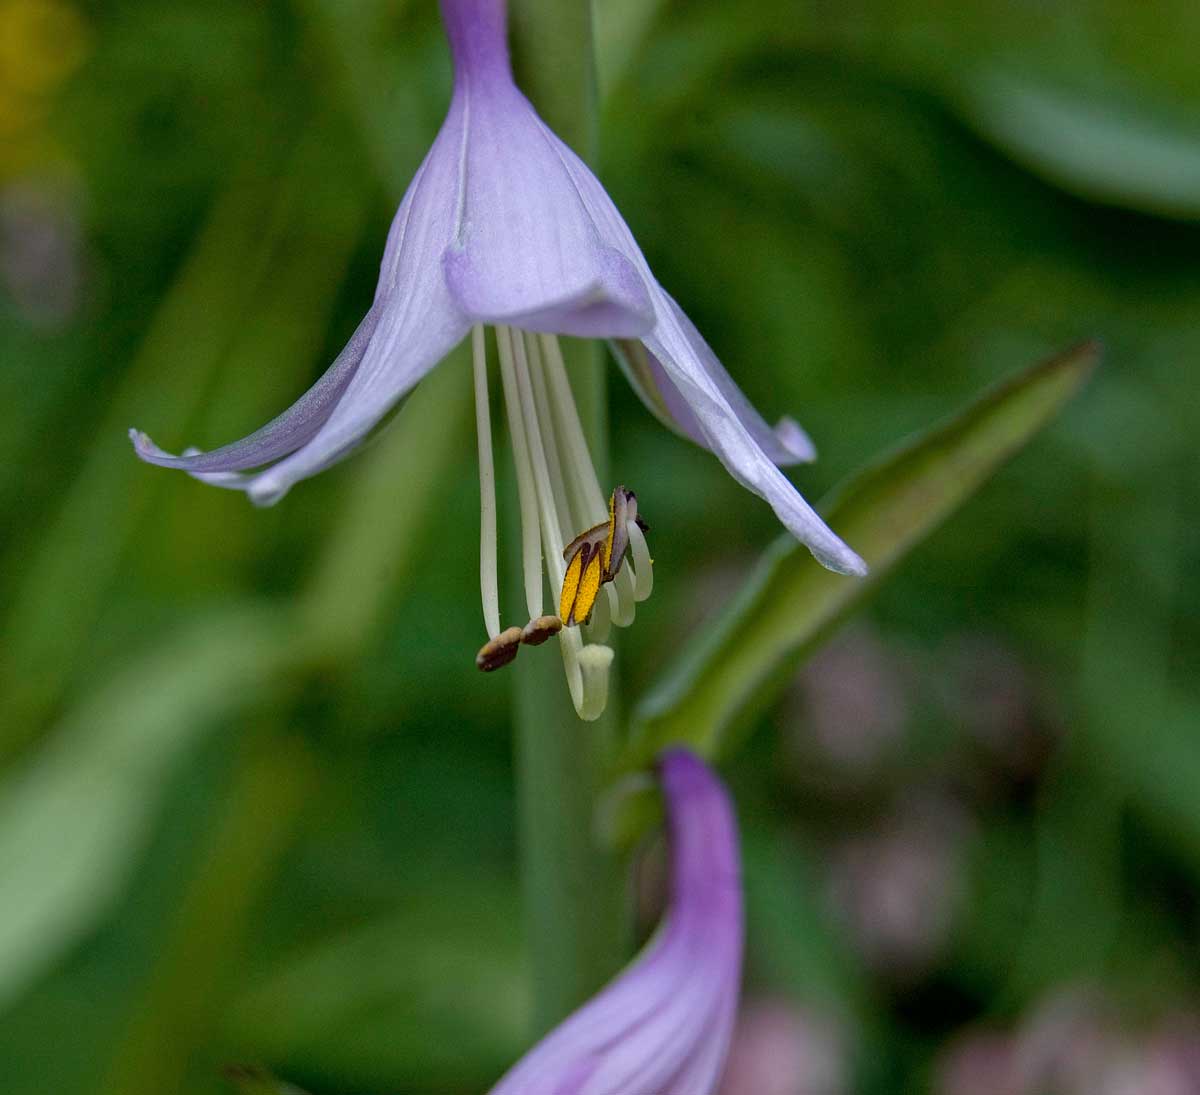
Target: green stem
column 574, row 902
column 554, row 58
column 574, row 895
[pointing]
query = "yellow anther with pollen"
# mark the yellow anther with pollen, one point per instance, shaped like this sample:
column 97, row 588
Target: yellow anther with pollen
column 595, row 556
column 566, row 603
column 589, row 588
column 581, row 585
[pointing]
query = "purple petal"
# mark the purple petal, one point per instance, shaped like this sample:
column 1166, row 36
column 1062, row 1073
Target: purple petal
column 418, row 323
column 477, row 30
column 784, row 444
column 301, row 422
column 700, row 1072
column 740, row 453
column 663, row 1025
column 415, row 333
column 295, row 427
column 708, row 395
column 526, row 250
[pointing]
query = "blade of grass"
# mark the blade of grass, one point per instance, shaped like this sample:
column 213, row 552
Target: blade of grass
column 75, row 816
column 200, row 330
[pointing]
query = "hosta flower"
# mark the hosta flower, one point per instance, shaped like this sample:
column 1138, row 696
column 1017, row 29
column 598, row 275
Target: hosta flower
column 504, row 226
column 663, row 1027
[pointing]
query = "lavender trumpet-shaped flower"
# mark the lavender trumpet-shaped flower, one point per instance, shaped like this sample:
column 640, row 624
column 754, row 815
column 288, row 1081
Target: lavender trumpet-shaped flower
column 663, row 1026
column 505, row 226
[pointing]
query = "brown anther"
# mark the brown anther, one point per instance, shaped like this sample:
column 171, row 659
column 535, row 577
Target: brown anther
column 538, row 631
column 499, row 651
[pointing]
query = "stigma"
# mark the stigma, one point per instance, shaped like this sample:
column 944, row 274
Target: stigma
column 604, row 571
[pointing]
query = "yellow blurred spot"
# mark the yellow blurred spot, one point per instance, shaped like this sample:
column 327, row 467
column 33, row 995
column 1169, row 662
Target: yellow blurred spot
column 42, row 42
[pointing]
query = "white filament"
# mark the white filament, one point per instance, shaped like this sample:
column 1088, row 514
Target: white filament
column 552, row 539
column 623, row 590
column 488, row 584
column 550, row 435
column 579, row 460
column 643, row 584
column 586, row 666
column 599, row 626
column 626, row 602
column 531, row 547
column 558, row 490
column 584, row 496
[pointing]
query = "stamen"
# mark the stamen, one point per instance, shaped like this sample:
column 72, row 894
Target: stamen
column 579, row 460
column 625, row 607
column 538, row 631
column 499, row 651
column 570, row 586
column 531, row 547
column 589, row 588
column 586, row 667
column 551, row 533
column 488, row 583
column 587, row 673
column 546, row 423
column 582, row 473
column 643, row 565
column 581, row 585
column 599, row 626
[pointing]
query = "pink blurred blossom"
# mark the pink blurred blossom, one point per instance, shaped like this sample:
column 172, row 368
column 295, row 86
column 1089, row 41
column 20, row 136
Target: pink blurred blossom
column 897, row 888
column 41, row 250
column 979, row 1063
column 781, row 1049
column 853, row 700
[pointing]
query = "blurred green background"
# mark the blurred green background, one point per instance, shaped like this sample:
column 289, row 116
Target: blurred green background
column 256, row 804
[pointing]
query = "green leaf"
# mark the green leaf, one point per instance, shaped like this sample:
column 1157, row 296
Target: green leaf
column 1120, row 153
column 251, row 1080
column 436, row 992
column 232, row 317
column 75, row 816
column 791, row 602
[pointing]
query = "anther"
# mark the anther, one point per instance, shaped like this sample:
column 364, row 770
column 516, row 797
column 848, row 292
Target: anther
column 538, row 631
column 499, row 651
column 594, row 558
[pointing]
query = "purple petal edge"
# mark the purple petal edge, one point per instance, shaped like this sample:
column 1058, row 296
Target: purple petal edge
column 283, row 435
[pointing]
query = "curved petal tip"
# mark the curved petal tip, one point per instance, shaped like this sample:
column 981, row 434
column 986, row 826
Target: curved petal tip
column 264, row 490
column 679, row 765
column 146, row 449
column 840, row 559
column 795, row 441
